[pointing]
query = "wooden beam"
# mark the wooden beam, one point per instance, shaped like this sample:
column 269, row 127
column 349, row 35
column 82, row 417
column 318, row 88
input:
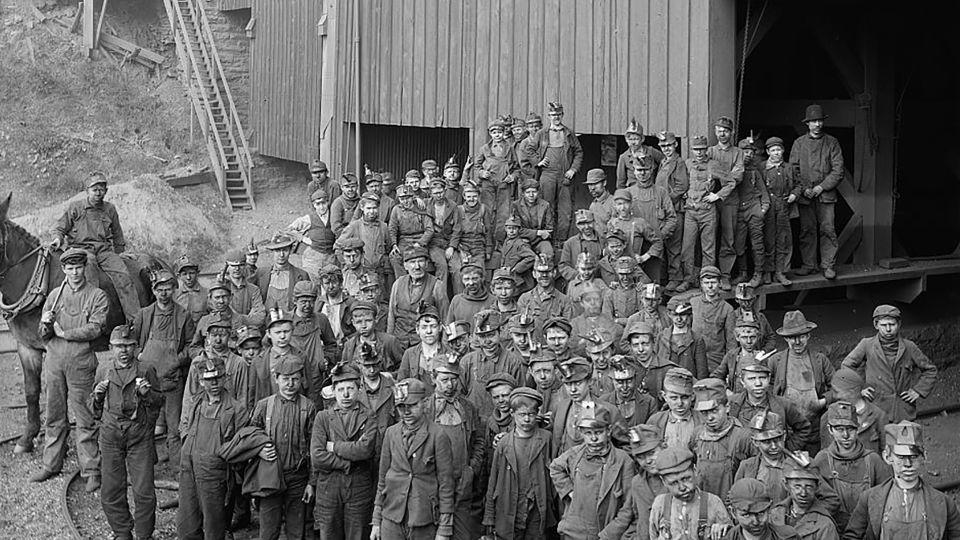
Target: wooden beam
column 722, row 51
column 89, row 14
column 848, row 64
column 144, row 56
column 849, row 239
column 789, row 112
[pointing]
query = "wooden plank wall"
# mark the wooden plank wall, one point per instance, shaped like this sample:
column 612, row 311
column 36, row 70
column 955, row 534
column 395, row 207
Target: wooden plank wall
column 228, row 5
column 460, row 63
column 285, row 78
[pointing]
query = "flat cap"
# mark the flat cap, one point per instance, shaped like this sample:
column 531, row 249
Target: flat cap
column 184, row 263
column 352, row 243
column 575, row 369
column 796, row 466
column 288, row 365
column 674, row 459
column 415, row 252
column 724, row 122
column 534, row 118
column 519, row 392
column 904, row 438
column 709, row 271
column 73, row 256
column 122, row 335
column 248, row 333
column 512, row 221
column 530, row 183
column 543, row 355
column 429, row 163
column 766, row 425
column 344, row 372
column 886, row 310
column 331, row 269
column 362, row 306
column 217, row 320
column 404, row 191
column 595, row 176
column 711, row 393
column 749, row 143
column 616, row 234
column 221, row 283
column 162, row 276
column 842, row 413
column 679, row 380
column 305, row 288
column 319, row 195
column 638, row 328
column 562, row 323
column 235, row 257
column 409, row 391
column 504, row 273
column 500, row 378
column 487, row 321
column 755, row 365
column 468, row 186
column 745, row 321
column 368, row 280
column 644, row 438
column 625, row 265
column 522, row 323
column 413, row 173
column 749, row 495
column 774, row 141
column 698, row 142
column 623, row 195
column 427, row 310
column 348, row 179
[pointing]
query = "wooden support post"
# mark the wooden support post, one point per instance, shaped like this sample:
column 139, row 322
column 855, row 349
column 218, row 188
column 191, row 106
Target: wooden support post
column 722, row 76
column 89, row 18
column 96, row 33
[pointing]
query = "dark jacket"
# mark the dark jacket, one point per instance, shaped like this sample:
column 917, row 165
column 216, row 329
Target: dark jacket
column 799, row 431
column 143, row 323
column 942, row 518
column 352, row 450
column 416, row 483
column 122, row 394
column 690, row 354
column 822, row 372
column 540, row 141
column 261, row 478
column 503, row 490
column 263, row 279
column 821, row 164
column 615, row 478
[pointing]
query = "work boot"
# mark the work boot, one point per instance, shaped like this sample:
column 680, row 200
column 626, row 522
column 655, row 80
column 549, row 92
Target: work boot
column 93, row 483
column 805, row 271
column 782, row 279
column 684, row 286
column 756, row 280
column 766, row 278
column 43, row 475
column 725, row 283
column 673, row 284
column 829, row 273
column 23, row 447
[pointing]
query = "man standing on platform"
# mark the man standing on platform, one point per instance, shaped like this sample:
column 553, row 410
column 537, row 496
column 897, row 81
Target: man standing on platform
column 821, row 170
column 673, row 177
column 729, row 166
column 558, row 159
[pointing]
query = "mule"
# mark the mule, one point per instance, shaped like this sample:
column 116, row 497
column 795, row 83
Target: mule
column 28, row 271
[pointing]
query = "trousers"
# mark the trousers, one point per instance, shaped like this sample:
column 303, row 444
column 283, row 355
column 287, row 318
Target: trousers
column 553, row 190
column 128, row 451
column 727, row 254
column 285, row 509
column 673, row 250
column 170, row 414
column 344, row 506
column 777, row 237
column 112, row 265
column 201, row 514
column 818, row 217
column 750, row 221
column 391, row 530
column 69, row 384
column 698, row 223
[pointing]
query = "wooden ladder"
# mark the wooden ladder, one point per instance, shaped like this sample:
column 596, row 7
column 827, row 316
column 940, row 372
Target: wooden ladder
column 203, row 76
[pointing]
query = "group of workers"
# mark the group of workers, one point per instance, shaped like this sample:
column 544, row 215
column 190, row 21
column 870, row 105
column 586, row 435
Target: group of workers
column 452, row 366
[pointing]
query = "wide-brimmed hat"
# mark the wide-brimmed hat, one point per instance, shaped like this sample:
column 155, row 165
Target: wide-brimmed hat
column 280, row 241
column 814, row 112
column 795, row 324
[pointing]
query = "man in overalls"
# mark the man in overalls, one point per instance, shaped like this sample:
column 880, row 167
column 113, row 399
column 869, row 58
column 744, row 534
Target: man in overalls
column 457, row 418
column 189, row 293
column 729, row 168
column 850, row 467
column 721, row 443
column 558, row 159
column 497, row 171
column 211, row 418
column 652, row 202
column 905, row 506
column 753, row 205
column 672, row 513
column 163, row 330
column 409, row 291
column 127, row 400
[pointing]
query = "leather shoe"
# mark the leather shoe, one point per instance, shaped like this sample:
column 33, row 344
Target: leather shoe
column 829, row 273
column 805, row 271
column 93, row 483
column 755, row 281
column 782, row 279
column 23, row 447
column 43, row 475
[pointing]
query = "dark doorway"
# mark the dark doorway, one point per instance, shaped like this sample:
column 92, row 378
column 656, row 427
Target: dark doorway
column 400, row 148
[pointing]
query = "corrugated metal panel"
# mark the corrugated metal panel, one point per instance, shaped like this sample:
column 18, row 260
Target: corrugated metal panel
column 285, row 78
column 607, row 60
column 399, row 149
column 228, row 5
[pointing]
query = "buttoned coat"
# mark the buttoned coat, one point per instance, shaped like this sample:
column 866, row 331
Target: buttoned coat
column 615, row 479
column 503, row 489
column 866, row 522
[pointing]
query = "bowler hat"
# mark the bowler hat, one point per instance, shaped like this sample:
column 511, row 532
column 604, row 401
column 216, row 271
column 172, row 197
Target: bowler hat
column 814, row 112
column 795, row 324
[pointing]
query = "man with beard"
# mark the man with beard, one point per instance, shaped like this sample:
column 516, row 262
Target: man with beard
column 750, row 506
column 479, row 366
column 415, row 494
column 636, row 153
column 545, row 301
column 882, row 361
column 720, row 443
column 343, row 207
column 679, row 344
column 602, row 204
column 475, row 235
column 673, row 177
column 633, row 519
column 729, row 166
column 363, row 317
column 409, row 228
column 189, row 293
column 409, row 292
column 713, row 318
column 754, row 204
column 820, row 162
column 635, row 406
column 801, row 509
column 246, row 299
column 671, row 515
column 457, row 417
column 592, row 478
column 475, row 296
column 566, row 411
column 850, row 467
column 341, row 455
column 558, row 159
column 905, row 506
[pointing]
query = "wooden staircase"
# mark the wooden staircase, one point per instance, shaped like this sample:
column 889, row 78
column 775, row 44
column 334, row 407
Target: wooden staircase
column 203, row 76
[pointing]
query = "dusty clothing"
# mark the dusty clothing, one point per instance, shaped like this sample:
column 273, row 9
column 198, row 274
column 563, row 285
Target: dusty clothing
column 566, row 415
column 475, row 236
column 870, row 431
column 545, row 304
column 671, row 518
column 635, row 409
column 781, row 180
column 820, row 163
column 875, row 518
column 815, row 524
column 69, row 366
column 713, row 320
column 476, row 371
column 342, row 211
column 653, row 204
column 464, row 306
column 633, row 519
column 499, row 189
column 93, row 227
column 193, row 300
column 602, row 208
column 388, row 349
column 247, row 300
column 676, row 431
column 592, row 489
column 406, row 297
column 908, row 369
column 850, row 475
column 631, row 159
column 719, row 454
column 730, row 166
column 520, row 487
column 418, row 363
column 276, row 285
column 375, row 239
column 573, row 247
column 797, row 426
column 685, row 349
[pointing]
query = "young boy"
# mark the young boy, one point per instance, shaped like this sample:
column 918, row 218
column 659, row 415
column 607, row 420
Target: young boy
column 598, row 345
column 721, row 443
column 418, row 360
column 592, row 478
column 651, row 309
column 491, row 357
column 515, row 252
column 572, row 406
column 519, row 495
column 633, row 519
column 802, row 510
column 644, row 242
column 750, row 506
column 672, row 513
column 679, row 344
column 475, row 295
column 364, row 316
column 536, row 217
column 615, row 245
column 373, row 235
column 543, row 371
column 747, row 332
column 784, row 187
column 847, row 385
column 505, row 293
column 586, row 241
column 679, row 422
column 756, row 397
column 497, row 170
column 635, row 406
column 592, row 319
column 584, row 276
column 623, row 298
column 850, row 467
column 754, row 204
column 343, row 207
column 879, row 360
column 651, row 370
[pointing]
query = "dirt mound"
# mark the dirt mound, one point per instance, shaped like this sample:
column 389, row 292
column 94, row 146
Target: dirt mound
column 155, row 219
